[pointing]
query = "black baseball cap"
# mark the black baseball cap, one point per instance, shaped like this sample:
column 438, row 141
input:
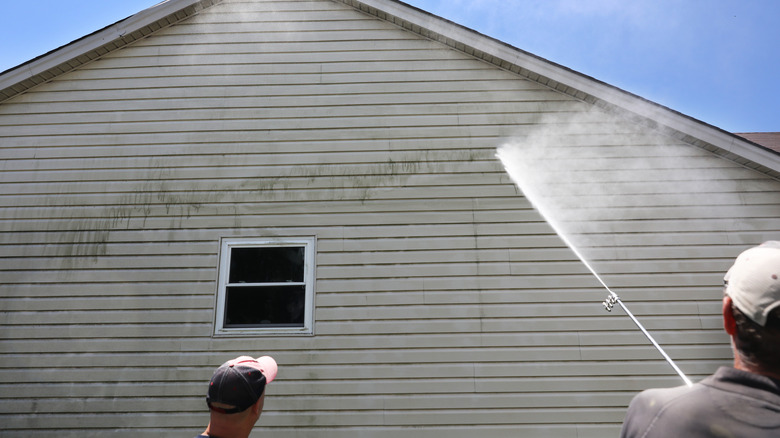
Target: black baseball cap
column 237, row 384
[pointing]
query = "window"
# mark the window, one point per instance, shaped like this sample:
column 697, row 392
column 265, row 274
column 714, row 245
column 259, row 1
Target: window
column 265, row 286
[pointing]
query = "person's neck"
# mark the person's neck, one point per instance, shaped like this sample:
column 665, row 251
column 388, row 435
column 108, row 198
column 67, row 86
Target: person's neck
column 744, row 366
column 215, row 431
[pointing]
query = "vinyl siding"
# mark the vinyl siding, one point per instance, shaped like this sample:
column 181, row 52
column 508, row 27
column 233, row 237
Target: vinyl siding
column 445, row 304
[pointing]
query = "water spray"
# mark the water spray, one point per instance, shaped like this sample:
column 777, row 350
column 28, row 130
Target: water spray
column 613, row 299
column 511, row 165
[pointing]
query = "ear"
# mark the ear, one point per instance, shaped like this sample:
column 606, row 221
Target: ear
column 257, row 408
column 729, row 324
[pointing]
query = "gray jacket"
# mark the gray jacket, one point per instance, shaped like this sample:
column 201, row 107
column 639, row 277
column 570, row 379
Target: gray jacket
column 729, row 403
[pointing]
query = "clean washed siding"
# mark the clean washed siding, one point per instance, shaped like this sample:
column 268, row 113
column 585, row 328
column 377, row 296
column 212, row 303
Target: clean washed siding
column 445, row 305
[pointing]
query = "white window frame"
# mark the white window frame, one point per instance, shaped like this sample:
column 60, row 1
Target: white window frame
column 226, row 245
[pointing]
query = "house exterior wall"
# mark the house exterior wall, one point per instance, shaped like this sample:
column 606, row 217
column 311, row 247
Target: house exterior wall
column 445, row 304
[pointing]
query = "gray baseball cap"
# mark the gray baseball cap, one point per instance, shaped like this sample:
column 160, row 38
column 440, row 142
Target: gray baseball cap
column 753, row 282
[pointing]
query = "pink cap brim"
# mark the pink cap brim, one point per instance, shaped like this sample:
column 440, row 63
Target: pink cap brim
column 268, row 367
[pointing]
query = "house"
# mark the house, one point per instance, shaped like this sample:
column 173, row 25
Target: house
column 317, row 180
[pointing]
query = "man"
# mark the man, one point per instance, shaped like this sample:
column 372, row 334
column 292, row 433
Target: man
column 743, row 401
column 236, row 396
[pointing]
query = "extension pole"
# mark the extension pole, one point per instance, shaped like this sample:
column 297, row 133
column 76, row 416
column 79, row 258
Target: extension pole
column 611, row 300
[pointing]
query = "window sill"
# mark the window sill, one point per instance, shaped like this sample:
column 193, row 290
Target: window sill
column 244, row 333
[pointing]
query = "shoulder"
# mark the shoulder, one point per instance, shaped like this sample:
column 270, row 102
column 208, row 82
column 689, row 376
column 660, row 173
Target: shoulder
column 731, row 402
column 658, row 398
column 663, row 407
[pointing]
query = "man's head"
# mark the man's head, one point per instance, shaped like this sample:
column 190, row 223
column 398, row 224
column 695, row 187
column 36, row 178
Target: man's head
column 752, row 307
column 239, row 383
column 753, row 282
column 236, row 395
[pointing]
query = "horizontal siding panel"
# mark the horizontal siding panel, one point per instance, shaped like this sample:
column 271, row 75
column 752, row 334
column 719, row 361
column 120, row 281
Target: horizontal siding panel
column 450, row 348
column 109, row 276
column 331, row 252
column 104, row 315
column 205, row 126
column 391, row 379
column 644, row 351
column 204, row 200
column 388, row 43
column 260, row 154
column 156, row 176
column 237, row 37
column 456, row 325
column 261, row 108
column 282, row 26
column 294, row 15
column 153, row 207
column 535, row 236
column 323, row 133
column 508, row 89
column 130, row 262
column 303, row 67
column 249, row 182
column 151, row 248
column 111, row 303
column 521, row 237
column 540, row 243
column 399, row 54
column 202, row 296
column 333, row 404
column 515, row 295
column 271, row 6
column 265, row 107
column 120, row 420
column 463, row 171
column 289, row 349
column 503, row 310
column 303, row 78
column 116, row 331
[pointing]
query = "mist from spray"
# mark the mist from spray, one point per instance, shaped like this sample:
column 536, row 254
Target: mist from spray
column 582, row 182
column 516, row 162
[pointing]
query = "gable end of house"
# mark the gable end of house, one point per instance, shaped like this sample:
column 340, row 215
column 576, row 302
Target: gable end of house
column 634, row 108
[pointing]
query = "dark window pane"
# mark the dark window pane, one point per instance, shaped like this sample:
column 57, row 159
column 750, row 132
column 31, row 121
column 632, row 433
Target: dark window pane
column 273, row 306
column 266, row 265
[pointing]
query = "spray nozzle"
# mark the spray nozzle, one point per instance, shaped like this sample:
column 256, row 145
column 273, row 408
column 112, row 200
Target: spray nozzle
column 610, row 302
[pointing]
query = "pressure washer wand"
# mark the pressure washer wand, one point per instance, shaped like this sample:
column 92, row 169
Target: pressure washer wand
column 610, row 302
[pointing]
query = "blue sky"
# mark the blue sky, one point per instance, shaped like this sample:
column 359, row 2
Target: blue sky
column 714, row 60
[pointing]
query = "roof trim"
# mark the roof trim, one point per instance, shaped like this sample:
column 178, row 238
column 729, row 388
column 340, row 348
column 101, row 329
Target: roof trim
column 21, row 78
column 769, row 140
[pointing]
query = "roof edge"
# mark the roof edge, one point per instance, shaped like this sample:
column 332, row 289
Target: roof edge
column 573, row 83
column 21, row 78
column 768, row 140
